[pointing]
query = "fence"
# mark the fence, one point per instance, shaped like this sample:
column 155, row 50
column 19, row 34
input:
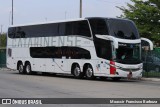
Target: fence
column 157, row 50
column 2, row 58
column 3, row 50
column 151, row 63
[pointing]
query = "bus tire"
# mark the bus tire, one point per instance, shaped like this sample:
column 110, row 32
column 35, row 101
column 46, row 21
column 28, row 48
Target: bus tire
column 89, row 72
column 76, row 71
column 28, row 68
column 20, row 68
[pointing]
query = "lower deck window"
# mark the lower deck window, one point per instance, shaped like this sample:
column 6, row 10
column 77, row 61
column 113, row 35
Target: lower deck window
column 59, row 52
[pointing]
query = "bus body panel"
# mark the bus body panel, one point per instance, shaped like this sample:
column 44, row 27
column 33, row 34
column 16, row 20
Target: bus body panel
column 58, row 53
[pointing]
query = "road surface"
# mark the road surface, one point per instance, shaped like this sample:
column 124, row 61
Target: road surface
column 14, row 85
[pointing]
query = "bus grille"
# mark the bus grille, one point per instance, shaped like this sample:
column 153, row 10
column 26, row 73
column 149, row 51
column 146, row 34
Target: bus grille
column 130, row 69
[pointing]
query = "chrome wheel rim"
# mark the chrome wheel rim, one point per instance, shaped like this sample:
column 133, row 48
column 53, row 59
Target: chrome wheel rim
column 21, row 68
column 28, row 69
column 89, row 72
column 77, row 71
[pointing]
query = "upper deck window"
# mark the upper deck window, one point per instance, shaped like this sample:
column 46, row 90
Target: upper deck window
column 123, row 29
column 73, row 28
column 99, row 26
column 80, row 28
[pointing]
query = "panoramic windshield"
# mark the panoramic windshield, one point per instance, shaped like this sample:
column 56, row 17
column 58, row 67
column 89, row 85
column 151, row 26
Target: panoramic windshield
column 128, row 54
column 123, row 29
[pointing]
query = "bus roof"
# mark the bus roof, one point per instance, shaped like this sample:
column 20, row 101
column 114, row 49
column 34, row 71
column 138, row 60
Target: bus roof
column 59, row 21
column 108, row 18
column 48, row 22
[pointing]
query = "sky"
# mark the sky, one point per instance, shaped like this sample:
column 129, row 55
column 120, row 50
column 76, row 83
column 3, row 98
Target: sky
column 36, row 11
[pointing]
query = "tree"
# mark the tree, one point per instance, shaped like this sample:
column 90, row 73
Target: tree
column 3, row 40
column 155, row 2
column 146, row 15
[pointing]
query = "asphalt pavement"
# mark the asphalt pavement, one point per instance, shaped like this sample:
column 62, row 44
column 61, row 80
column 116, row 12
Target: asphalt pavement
column 14, row 85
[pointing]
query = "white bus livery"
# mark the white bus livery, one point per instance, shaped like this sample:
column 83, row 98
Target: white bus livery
column 89, row 47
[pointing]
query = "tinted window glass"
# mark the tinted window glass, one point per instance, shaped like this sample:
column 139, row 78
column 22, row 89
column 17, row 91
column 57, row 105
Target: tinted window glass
column 59, row 52
column 61, row 29
column 47, row 30
column 123, row 29
column 11, row 32
column 41, row 30
column 128, row 53
column 20, row 33
column 81, row 28
column 99, row 26
column 103, row 49
column 34, row 31
column 69, row 28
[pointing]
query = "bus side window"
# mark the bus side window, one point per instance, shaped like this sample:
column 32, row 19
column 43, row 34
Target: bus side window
column 59, row 52
column 99, row 26
column 82, row 28
column 11, row 32
column 20, row 33
column 69, row 28
column 62, row 29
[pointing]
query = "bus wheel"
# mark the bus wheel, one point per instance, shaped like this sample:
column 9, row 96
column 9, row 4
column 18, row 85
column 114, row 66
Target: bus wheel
column 89, row 72
column 116, row 78
column 77, row 71
column 28, row 68
column 21, row 68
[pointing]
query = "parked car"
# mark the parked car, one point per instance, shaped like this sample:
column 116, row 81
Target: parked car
column 151, row 64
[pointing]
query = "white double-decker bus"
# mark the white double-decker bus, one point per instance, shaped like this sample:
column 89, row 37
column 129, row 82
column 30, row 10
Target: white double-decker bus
column 90, row 47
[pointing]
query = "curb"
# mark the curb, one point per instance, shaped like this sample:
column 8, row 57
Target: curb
column 151, row 79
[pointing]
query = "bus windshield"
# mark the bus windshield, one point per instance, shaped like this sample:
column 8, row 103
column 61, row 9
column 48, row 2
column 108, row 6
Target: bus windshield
column 128, row 54
column 123, row 29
